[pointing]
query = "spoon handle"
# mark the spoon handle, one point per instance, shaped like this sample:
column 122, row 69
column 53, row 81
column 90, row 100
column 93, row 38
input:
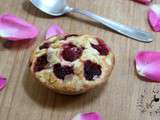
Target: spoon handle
column 134, row 33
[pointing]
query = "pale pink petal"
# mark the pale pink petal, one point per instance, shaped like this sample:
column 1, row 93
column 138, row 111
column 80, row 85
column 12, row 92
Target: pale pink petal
column 88, row 116
column 148, row 65
column 3, row 82
column 144, row 1
column 54, row 30
column 154, row 17
column 14, row 28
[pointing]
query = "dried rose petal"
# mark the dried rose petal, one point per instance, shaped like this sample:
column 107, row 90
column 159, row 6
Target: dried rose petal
column 88, row 116
column 14, row 29
column 54, row 30
column 144, row 1
column 154, row 17
column 148, row 65
column 3, row 82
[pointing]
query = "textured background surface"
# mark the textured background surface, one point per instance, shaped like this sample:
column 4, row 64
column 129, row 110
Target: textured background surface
column 25, row 99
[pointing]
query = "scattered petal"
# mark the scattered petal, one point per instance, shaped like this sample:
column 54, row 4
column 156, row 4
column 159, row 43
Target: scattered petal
column 3, row 82
column 15, row 29
column 148, row 65
column 88, row 116
column 154, row 17
column 144, row 1
column 54, row 30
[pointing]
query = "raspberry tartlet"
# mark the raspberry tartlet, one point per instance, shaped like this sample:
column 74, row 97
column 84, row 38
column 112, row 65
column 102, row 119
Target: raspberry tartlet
column 72, row 64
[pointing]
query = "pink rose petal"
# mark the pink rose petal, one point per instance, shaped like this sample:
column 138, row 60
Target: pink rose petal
column 154, row 17
column 54, row 30
column 144, row 1
column 148, row 65
column 88, row 116
column 15, row 29
column 3, row 82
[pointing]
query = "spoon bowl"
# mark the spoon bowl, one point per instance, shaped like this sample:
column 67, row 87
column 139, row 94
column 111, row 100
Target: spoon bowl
column 60, row 7
column 51, row 7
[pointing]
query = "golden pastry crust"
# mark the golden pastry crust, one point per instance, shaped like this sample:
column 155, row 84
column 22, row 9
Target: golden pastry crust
column 75, row 83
